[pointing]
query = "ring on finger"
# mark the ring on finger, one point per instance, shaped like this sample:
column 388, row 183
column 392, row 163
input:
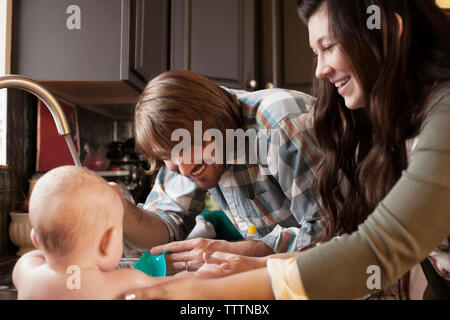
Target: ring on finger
column 186, row 266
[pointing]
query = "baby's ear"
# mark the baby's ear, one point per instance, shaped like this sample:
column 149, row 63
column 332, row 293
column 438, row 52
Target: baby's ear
column 34, row 239
column 106, row 241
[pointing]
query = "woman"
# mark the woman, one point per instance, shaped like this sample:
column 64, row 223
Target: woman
column 381, row 93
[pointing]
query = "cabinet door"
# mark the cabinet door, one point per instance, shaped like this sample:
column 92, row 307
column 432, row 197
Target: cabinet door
column 287, row 58
column 217, row 39
column 150, row 41
column 69, row 39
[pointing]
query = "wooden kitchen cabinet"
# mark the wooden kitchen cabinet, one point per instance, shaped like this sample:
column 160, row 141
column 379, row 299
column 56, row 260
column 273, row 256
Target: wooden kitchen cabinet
column 244, row 44
column 122, row 44
column 287, row 57
column 99, row 54
column 150, row 38
column 216, row 38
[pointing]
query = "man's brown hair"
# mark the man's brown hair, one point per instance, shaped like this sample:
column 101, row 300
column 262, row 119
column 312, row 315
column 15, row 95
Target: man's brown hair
column 174, row 100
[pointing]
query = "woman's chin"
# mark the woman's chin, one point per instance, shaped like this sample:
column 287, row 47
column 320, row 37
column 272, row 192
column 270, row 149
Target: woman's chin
column 353, row 104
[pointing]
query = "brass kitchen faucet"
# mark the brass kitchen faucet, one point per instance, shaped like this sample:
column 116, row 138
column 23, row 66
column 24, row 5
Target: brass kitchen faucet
column 19, row 82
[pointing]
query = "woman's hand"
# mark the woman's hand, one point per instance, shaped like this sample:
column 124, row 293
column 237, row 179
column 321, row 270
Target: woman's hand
column 229, row 263
column 254, row 285
column 179, row 288
column 221, row 264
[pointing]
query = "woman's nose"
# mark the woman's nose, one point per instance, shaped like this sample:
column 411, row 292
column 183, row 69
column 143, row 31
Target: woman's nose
column 323, row 69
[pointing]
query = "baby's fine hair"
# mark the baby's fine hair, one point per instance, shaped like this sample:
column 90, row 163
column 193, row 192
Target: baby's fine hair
column 68, row 203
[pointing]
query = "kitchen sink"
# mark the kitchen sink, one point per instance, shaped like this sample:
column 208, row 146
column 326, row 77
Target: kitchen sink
column 127, row 263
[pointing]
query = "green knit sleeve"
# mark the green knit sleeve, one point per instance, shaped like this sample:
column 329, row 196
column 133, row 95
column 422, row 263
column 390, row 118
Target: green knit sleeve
column 411, row 221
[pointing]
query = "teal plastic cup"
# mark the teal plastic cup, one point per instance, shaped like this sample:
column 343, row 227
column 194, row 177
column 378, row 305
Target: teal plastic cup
column 152, row 265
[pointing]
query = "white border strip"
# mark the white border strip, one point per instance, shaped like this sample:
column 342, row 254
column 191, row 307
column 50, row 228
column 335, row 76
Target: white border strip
column 5, row 36
column 5, row 68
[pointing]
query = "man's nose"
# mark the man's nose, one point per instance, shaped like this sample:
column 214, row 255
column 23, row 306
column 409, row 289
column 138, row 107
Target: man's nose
column 179, row 167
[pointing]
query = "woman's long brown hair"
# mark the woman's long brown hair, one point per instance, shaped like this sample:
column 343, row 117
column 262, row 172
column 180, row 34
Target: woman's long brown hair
column 364, row 150
column 366, row 147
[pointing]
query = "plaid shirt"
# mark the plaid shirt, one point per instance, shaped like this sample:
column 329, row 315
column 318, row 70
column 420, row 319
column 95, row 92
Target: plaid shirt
column 279, row 203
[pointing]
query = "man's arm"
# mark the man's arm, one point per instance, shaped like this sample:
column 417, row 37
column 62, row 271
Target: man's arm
column 251, row 248
column 167, row 213
column 143, row 229
column 292, row 148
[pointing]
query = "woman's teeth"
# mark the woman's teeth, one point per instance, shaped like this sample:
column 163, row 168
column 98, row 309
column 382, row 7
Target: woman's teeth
column 342, row 82
column 199, row 170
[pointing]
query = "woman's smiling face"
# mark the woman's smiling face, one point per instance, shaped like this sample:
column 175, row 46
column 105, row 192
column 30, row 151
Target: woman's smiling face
column 332, row 62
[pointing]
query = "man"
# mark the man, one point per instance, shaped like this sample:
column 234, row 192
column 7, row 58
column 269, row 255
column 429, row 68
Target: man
column 265, row 182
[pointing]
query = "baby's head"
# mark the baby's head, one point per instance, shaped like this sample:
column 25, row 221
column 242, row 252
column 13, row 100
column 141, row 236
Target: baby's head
column 74, row 212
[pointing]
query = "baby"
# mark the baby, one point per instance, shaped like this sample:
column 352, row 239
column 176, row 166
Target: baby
column 76, row 220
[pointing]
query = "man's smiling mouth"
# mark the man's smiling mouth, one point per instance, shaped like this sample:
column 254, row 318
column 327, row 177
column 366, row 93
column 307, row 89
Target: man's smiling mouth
column 198, row 171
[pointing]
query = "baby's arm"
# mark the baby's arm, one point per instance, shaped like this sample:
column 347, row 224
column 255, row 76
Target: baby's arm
column 25, row 265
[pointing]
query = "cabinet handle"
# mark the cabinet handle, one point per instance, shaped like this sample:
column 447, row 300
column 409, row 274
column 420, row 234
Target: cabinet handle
column 251, row 84
column 269, row 85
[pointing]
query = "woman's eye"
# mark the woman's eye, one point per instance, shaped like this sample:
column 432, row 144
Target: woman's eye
column 328, row 48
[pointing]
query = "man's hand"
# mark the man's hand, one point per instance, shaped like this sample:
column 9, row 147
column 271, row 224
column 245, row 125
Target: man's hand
column 188, row 255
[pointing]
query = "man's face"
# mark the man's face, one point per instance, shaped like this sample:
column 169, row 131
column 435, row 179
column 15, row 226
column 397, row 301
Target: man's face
column 205, row 176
